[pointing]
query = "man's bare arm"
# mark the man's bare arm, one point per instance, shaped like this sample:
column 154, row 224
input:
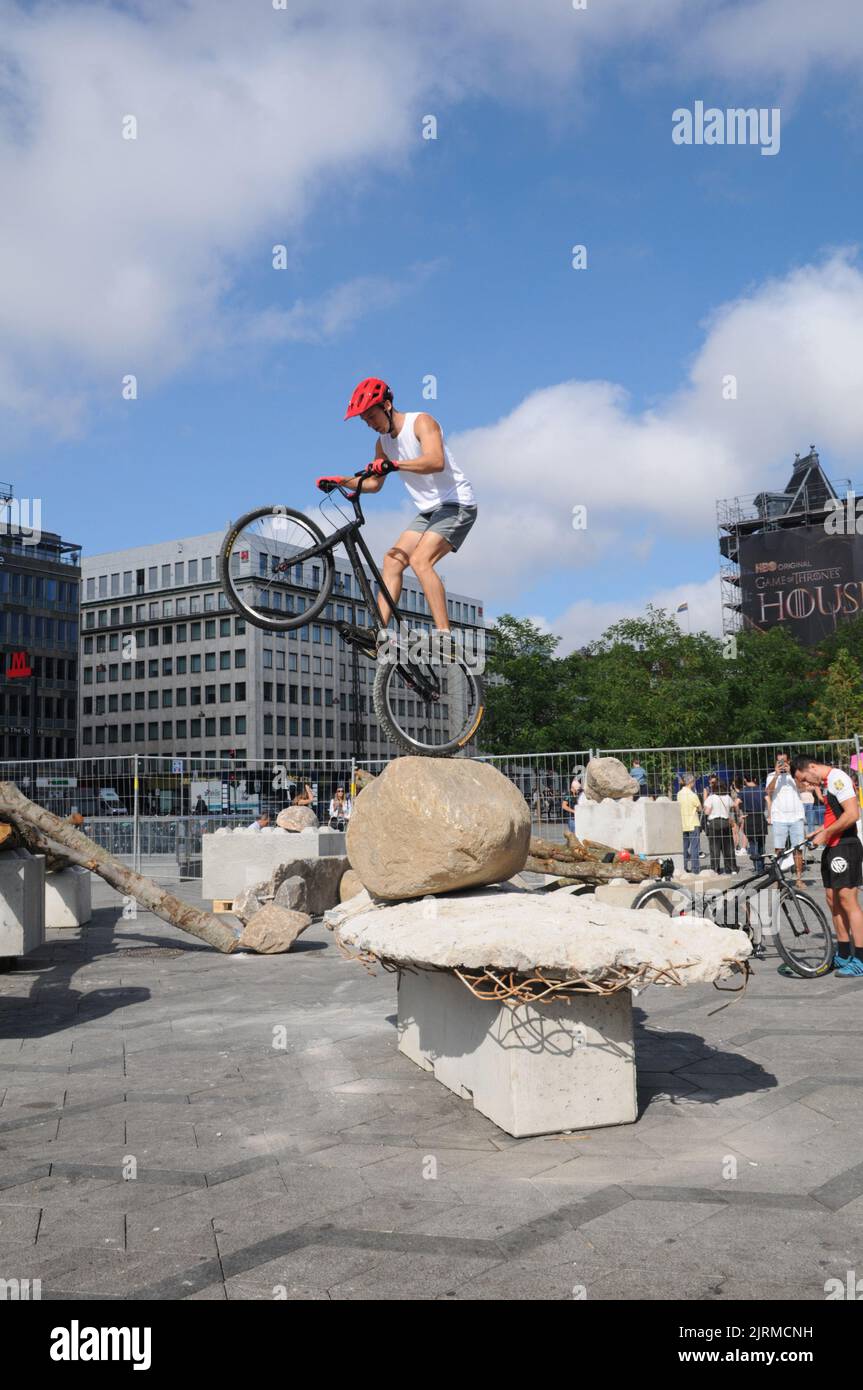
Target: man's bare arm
column 431, row 460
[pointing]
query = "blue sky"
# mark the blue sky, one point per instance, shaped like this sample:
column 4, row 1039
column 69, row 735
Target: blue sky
column 452, row 257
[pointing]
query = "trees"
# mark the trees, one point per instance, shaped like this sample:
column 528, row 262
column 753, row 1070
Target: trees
column 529, row 704
column 837, row 710
column 645, row 684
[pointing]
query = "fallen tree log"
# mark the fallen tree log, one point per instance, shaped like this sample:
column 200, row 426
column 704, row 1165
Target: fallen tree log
column 594, row 847
column 578, row 848
column 52, row 836
column 590, row 871
column 22, row 837
column 550, row 849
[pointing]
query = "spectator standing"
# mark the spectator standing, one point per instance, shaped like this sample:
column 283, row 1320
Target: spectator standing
column 690, row 821
column 568, row 806
column 786, row 814
column 262, row 823
column 638, row 772
column 718, row 807
column 810, row 810
column 753, row 808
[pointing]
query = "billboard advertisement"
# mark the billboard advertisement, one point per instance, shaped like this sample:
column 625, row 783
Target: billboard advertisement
column 802, row 578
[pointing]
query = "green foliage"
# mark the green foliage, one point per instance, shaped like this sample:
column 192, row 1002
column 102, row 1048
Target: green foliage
column 646, row 684
column 837, row 711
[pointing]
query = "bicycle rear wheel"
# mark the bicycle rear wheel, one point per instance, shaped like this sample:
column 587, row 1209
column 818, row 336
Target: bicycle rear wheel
column 428, row 709
column 261, row 566
column 803, row 935
column 667, row 897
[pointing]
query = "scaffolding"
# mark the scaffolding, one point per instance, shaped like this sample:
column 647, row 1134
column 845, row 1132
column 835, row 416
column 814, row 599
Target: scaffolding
column 805, row 501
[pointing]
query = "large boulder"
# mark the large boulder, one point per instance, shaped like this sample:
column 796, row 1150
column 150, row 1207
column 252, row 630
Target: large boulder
column 297, row 818
column 273, row 930
column 607, row 777
column 429, row 825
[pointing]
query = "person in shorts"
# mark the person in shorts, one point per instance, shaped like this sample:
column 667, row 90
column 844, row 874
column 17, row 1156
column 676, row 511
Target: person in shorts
column 842, row 857
column 412, row 444
column 786, row 813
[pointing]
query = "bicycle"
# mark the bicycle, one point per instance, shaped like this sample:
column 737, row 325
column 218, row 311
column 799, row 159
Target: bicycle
column 266, row 556
column 803, row 934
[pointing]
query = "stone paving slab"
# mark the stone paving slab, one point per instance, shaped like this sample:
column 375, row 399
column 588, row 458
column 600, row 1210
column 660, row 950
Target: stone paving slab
column 327, row 1166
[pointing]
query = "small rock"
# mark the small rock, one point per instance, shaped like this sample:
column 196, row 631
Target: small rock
column 292, row 893
column 297, row 818
column 273, row 929
column 350, row 885
column 246, row 905
column 607, row 777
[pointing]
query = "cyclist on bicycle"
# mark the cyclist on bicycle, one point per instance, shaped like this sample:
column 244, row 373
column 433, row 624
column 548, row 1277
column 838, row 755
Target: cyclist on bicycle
column 842, row 859
column 412, row 443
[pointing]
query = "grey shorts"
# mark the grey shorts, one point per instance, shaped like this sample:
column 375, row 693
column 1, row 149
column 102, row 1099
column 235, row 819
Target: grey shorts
column 450, row 520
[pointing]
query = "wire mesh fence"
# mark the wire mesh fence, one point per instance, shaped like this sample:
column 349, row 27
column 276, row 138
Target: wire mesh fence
column 153, row 812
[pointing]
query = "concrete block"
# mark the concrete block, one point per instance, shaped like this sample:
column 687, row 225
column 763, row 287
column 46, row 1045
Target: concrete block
column 645, row 826
column 67, row 898
column 236, row 859
column 534, row 1069
column 22, row 902
column 620, row 894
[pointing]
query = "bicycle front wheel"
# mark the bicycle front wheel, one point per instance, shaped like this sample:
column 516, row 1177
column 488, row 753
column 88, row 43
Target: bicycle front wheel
column 803, row 935
column 267, row 573
column 428, row 709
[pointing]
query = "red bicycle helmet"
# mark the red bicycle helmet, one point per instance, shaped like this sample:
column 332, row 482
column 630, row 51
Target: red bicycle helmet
column 370, row 392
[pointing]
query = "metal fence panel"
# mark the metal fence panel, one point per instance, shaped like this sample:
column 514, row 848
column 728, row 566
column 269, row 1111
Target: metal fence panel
column 152, row 812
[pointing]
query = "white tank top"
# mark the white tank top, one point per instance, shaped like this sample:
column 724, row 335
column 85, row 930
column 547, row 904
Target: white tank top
column 428, row 490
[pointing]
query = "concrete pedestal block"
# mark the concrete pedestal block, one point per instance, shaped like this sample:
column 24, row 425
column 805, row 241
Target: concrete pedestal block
column 236, row 859
column 67, row 898
column 647, row 827
column 22, row 902
column 534, row 1069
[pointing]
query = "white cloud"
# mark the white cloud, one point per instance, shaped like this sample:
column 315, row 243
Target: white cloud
column 119, row 255
column 587, row 619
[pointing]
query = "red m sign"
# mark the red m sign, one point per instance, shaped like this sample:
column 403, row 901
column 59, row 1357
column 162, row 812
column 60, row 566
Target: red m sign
column 18, row 665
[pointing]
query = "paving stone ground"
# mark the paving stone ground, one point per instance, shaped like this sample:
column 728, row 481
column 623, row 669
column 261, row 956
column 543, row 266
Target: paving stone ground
column 282, row 1147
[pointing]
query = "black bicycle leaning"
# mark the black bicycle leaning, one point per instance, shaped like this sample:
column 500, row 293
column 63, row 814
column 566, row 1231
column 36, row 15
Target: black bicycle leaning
column 277, row 571
column 801, row 930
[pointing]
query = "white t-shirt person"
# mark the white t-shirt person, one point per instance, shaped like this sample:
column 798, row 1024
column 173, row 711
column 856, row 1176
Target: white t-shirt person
column 718, row 806
column 786, row 808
